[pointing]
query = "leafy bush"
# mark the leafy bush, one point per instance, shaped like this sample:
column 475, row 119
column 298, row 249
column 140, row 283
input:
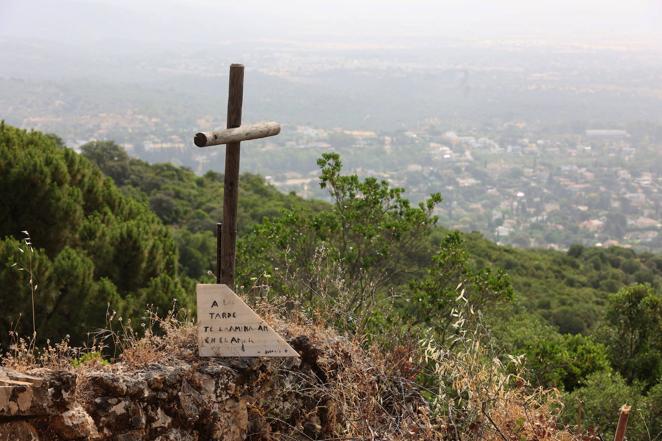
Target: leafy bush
column 434, row 295
column 89, row 358
column 476, row 396
column 596, row 405
column 552, row 360
column 347, row 259
column 633, row 333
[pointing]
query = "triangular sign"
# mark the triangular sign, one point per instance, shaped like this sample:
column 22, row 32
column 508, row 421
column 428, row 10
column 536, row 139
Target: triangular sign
column 228, row 327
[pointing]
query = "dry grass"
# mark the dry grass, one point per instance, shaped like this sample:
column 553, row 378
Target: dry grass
column 158, row 339
column 350, row 392
column 373, row 394
column 321, row 290
column 481, row 398
column 343, row 387
column 477, row 396
column 25, row 355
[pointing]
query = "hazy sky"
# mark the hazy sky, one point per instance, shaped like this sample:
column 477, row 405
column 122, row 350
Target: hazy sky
column 372, row 21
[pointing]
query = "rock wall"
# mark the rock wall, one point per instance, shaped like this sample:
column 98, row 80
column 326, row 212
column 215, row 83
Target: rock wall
column 202, row 400
column 194, row 399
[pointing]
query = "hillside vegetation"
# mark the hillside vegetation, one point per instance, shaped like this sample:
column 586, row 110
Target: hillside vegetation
column 569, row 289
column 109, row 233
column 191, row 204
column 89, row 245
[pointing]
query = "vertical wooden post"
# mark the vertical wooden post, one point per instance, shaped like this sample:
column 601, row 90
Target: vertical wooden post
column 231, row 194
column 219, row 236
column 622, row 423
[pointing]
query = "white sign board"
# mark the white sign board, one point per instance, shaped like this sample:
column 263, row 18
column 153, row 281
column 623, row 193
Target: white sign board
column 228, row 327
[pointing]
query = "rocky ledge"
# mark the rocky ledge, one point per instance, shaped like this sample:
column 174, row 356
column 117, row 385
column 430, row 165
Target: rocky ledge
column 210, row 399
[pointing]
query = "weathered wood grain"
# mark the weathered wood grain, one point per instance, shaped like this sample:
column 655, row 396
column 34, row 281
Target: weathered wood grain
column 231, row 196
column 243, row 133
column 622, row 423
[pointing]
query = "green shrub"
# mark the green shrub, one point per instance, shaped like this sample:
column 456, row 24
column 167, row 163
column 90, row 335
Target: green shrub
column 89, row 358
column 597, row 403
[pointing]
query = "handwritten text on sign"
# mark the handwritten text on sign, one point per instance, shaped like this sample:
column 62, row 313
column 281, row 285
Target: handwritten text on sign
column 228, row 327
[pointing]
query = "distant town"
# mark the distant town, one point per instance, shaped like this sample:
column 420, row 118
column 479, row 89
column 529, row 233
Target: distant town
column 553, row 147
column 594, row 187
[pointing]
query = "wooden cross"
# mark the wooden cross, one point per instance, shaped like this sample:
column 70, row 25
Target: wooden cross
column 232, row 136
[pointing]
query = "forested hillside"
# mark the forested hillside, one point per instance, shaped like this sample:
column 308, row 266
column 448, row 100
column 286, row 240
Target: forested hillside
column 87, row 234
column 72, row 240
column 568, row 289
column 191, row 204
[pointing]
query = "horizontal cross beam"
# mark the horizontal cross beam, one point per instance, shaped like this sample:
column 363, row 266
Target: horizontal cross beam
column 242, row 133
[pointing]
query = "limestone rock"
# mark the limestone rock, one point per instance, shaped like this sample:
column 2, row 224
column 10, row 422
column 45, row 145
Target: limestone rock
column 232, row 421
column 75, row 424
column 134, row 435
column 191, row 402
column 192, row 399
column 35, row 395
column 158, row 419
column 117, row 415
column 177, row 435
column 18, row 431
